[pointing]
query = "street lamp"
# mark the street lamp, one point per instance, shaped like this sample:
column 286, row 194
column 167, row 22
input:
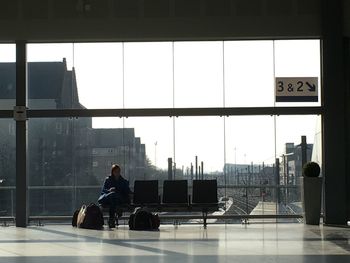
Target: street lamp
column 236, row 166
column 155, row 154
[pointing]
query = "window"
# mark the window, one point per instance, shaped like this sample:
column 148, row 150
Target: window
column 255, row 158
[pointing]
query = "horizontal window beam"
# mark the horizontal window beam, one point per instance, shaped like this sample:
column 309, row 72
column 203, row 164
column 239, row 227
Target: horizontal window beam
column 6, row 113
column 167, row 112
column 98, row 187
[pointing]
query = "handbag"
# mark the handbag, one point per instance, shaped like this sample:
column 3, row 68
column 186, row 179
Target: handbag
column 81, row 215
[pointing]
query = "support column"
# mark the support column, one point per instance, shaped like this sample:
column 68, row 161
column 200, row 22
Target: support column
column 347, row 83
column 21, row 136
column 334, row 118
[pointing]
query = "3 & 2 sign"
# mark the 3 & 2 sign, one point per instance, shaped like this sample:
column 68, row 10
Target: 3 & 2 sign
column 296, row 89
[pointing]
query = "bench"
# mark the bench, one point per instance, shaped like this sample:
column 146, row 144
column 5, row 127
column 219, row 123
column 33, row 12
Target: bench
column 175, row 197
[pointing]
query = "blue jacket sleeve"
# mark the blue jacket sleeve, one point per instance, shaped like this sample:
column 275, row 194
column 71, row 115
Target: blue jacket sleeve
column 106, row 186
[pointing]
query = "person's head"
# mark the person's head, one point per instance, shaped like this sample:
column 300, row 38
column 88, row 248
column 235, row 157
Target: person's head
column 115, row 171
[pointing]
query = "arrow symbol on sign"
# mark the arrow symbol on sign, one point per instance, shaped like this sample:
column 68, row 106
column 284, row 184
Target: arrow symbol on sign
column 312, row 87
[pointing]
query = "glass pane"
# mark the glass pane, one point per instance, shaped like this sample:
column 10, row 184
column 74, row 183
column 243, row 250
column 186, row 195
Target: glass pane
column 7, row 76
column 298, row 58
column 7, row 167
column 148, row 75
column 289, row 130
column 51, row 52
column 157, row 135
column 99, row 74
column 51, row 82
column 156, row 138
column 69, row 160
column 64, row 76
column 199, row 138
column 249, row 74
column 198, row 74
column 249, row 187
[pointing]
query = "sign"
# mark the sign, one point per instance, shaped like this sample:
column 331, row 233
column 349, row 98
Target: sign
column 296, row 89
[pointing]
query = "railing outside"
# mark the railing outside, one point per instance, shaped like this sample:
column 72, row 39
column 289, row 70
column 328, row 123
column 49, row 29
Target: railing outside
column 254, row 202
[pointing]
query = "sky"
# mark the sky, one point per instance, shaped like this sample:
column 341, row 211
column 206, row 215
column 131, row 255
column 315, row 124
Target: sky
column 192, row 74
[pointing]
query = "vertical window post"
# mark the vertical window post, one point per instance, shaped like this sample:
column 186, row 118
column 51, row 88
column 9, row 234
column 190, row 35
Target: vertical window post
column 21, row 136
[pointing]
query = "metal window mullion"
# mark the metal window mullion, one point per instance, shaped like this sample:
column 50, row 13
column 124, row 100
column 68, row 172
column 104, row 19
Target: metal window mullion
column 21, row 137
column 158, row 112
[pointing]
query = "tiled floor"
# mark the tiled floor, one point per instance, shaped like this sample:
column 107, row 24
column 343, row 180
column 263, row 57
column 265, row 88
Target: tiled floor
column 188, row 243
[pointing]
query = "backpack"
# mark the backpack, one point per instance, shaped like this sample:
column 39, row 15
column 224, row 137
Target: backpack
column 141, row 219
column 90, row 217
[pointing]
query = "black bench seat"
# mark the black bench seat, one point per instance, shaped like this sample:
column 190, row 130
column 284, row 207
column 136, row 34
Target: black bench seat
column 175, row 197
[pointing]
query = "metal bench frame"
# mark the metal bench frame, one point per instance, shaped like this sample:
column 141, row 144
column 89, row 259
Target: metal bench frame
column 188, row 207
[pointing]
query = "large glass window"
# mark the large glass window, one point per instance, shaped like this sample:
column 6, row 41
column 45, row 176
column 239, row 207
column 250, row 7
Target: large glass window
column 253, row 158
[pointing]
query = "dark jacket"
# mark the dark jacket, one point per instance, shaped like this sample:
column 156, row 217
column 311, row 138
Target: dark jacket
column 121, row 185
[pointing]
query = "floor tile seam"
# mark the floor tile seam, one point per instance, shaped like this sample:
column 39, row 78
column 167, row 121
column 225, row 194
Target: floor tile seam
column 344, row 246
column 152, row 249
column 77, row 236
column 10, row 252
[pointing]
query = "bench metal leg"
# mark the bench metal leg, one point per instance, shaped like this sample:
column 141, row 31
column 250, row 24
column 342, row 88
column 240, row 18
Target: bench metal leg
column 40, row 223
column 205, row 215
column 245, row 221
column 176, row 223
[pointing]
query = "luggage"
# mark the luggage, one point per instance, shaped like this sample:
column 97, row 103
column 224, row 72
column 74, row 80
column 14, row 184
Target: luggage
column 81, row 215
column 89, row 217
column 141, row 219
column 75, row 217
